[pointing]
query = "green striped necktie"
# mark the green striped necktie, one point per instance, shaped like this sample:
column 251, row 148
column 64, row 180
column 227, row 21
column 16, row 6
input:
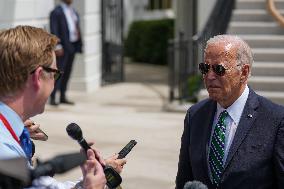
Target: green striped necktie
column 217, row 148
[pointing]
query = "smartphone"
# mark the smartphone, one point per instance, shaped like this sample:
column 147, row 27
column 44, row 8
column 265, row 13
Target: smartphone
column 41, row 131
column 38, row 130
column 126, row 149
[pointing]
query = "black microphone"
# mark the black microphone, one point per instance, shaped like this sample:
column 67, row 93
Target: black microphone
column 57, row 165
column 112, row 177
column 75, row 132
column 194, row 185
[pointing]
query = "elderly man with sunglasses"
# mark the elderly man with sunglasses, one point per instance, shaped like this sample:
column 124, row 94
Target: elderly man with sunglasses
column 235, row 138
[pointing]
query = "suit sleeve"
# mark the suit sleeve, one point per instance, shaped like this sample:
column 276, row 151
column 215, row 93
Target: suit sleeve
column 184, row 173
column 54, row 23
column 279, row 156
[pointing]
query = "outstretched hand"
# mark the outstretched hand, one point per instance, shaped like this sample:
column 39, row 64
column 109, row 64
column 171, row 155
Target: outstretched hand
column 117, row 164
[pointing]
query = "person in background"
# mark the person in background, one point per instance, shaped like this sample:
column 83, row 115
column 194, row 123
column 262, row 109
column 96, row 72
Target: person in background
column 64, row 23
column 235, row 138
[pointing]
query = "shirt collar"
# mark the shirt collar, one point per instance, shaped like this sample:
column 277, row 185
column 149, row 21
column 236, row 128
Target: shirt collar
column 65, row 6
column 13, row 118
column 236, row 109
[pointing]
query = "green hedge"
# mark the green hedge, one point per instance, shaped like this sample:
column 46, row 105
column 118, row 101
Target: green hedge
column 194, row 84
column 147, row 41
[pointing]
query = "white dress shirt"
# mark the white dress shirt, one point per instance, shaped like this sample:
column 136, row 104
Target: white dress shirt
column 72, row 20
column 232, row 121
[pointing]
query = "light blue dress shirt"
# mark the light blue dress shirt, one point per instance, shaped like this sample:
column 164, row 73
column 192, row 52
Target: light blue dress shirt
column 9, row 147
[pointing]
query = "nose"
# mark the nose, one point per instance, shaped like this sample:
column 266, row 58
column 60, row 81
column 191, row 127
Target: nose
column 211, row 75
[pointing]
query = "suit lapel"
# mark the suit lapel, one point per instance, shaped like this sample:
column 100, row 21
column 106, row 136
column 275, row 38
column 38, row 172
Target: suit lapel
column 246, row 122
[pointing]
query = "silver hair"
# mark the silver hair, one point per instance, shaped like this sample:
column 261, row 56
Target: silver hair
column 244, row 53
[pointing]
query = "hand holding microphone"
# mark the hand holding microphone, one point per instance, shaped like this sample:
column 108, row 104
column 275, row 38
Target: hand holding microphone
column 93, row 173
column 92, row 166
column 112, row 177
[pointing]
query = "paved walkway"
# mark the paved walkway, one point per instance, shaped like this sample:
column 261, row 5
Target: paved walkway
column 115, row 114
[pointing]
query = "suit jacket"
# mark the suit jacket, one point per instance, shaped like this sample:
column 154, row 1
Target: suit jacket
column 256, row 156
column 59, row 27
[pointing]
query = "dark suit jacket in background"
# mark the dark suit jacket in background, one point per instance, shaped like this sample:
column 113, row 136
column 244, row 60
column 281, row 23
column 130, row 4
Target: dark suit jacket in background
column 256, row 156
column 59, row 27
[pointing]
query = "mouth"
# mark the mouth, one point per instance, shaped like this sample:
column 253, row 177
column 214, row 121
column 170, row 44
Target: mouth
column 213, row 87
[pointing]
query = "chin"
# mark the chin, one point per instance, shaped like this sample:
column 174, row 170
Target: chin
column 214, row 97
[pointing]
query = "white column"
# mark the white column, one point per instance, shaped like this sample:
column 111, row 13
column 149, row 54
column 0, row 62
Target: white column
column 86, row 75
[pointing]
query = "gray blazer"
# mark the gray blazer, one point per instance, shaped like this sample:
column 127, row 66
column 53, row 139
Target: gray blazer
column 256, row 156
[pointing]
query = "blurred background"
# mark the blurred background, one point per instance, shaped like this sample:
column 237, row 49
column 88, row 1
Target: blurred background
column 138, row 73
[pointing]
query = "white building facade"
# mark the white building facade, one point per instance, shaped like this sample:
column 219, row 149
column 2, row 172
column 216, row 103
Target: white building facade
column 86, row 75
column 87, row 70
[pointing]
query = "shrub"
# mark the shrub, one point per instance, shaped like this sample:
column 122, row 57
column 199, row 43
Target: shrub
column 194, row 85
column 147, row 41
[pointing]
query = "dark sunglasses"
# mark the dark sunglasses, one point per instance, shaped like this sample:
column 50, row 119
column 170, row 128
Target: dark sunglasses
column 57, row 73
column 218, row 69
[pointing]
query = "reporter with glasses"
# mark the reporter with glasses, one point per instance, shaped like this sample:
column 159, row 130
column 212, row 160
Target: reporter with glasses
column 27, row 75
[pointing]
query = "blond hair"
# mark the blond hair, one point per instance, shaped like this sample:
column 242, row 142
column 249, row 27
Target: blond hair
column 22, row 50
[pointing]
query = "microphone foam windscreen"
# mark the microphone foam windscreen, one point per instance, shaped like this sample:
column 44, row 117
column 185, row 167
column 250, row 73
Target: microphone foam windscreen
column 74, row 131
column 194, row 185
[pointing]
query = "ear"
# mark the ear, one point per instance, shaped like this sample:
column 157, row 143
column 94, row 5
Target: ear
column 245, row 72
column 37, row 78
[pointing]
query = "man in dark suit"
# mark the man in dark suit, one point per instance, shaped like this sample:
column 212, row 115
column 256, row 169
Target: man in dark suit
column 64, row 23
column 234, row 139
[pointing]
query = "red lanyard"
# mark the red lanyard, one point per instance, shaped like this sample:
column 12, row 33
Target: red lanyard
column 8, row 126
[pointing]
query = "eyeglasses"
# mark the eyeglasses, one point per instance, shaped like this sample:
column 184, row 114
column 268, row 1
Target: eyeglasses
column 218, row 69
column 57, row 73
